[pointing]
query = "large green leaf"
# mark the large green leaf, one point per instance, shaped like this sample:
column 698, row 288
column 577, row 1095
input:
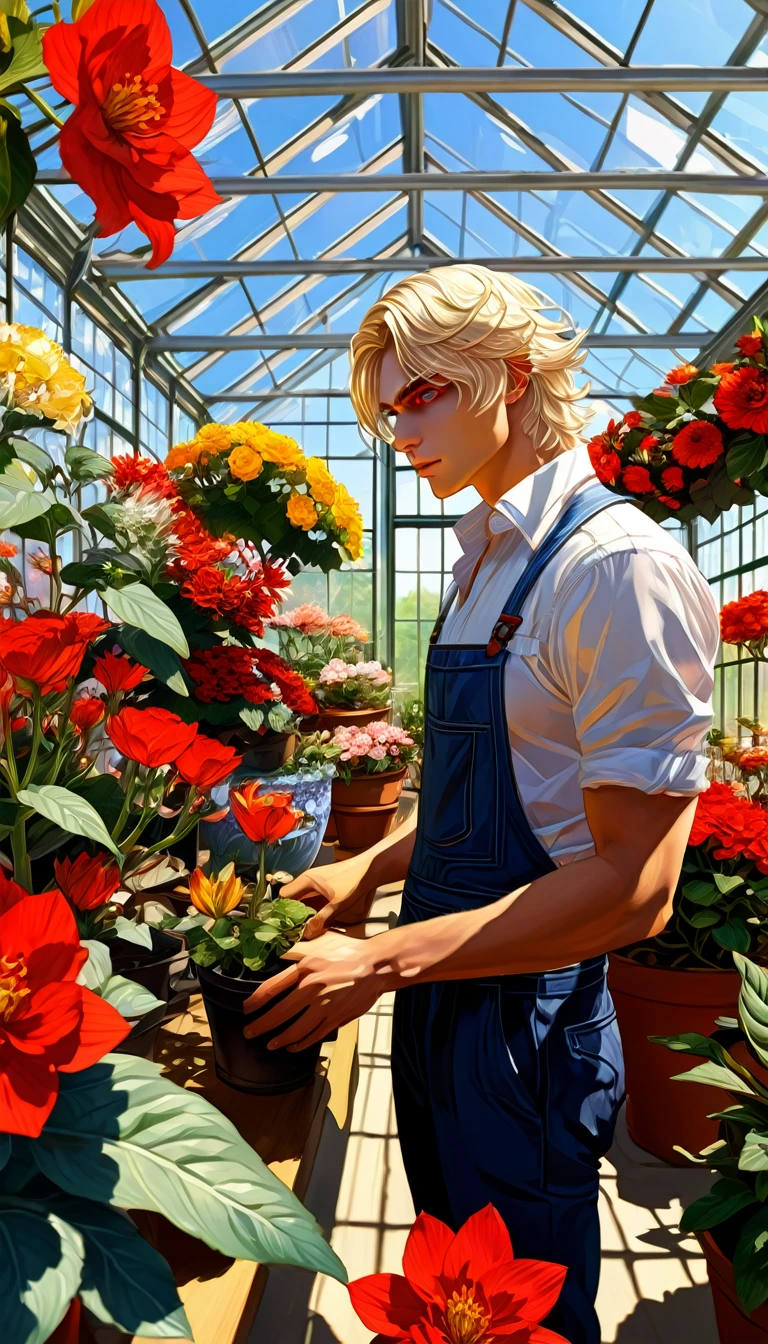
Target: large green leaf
column 726, row 1198
column 126, row 1282
column 754, row 1154
column 27, row 57
column 734, row 936
column 743, row 459
column 41, row 1262
column 750, row 1262
column 33, row 455
column 130, row 999
column 84, row 464
column 21, row 506
column 122, row 1134
column 138, row 605
column 69, row 811
column 753, row 1004
column 157, row 656
column 716, row 1074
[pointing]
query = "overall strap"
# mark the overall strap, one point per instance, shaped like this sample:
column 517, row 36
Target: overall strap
column 448, row 600
column 578, row 512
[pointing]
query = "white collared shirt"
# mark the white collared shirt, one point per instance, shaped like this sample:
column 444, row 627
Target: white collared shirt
column 610, row 676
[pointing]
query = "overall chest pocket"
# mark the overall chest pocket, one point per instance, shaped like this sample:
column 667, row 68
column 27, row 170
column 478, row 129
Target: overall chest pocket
column 458, row 787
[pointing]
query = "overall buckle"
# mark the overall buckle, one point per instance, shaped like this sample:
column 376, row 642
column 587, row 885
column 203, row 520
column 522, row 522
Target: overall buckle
column 502, row 632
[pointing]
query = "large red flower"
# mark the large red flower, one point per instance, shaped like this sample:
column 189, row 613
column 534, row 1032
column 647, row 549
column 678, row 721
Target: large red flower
column 46, row 650
column 128, row 142
column 86, row 712
column 48, row 1023
column 742, row 399
column 153, row 737
column 698, row 444
column 746, row 619
column 638, row 480
column 118, row 674
column 207, row 762
column 245, row 601
column 264, row 818
column 734, row 827
column 461, row 1289
column 131, row 470
column 606, row 463
column 87, row 882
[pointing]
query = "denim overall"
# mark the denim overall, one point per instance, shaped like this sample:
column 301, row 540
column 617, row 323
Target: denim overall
column 506, row 1087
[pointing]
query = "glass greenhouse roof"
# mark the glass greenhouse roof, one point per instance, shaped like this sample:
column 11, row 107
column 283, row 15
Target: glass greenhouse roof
column 615, row 252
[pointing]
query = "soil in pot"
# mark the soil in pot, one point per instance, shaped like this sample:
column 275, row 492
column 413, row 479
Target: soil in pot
column 733, row 1325
column 150, row 967
column 247, row 1064
column 651, row 1001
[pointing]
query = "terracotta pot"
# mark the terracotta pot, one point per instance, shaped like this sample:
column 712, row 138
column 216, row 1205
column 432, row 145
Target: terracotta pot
column 654, row 1002
column 369, row 790
column 733, row 1325
column 68, row 1330
column 360, row 827
column 331, row 718
column 242, row 1062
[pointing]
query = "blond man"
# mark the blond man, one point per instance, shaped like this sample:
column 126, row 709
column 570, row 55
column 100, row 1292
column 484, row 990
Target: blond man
column 568, row 690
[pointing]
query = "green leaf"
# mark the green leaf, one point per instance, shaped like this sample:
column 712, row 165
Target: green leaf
column 704, row 919
column 104, row 794
column 27, row 59
column 98, row 516
column 130, row 999
column 83, row 464
column 753, row 1004
column 5, row 1149
column 18, row 168
column 162, row 662
column 750, row 1262
column 716, row 1074
column 80, row 575
column 123, row 1134
column 34, row 456
column 41, row 1262
column 701, row 893
column 138, row 605
column 126, row 1282
column 252, row 718
column 70, row 811
column 726, row 884
column 754, row 1154
column 140, row 934
column 734, row 936
column 726, row 1198
column 22, row 506
column 743, row 459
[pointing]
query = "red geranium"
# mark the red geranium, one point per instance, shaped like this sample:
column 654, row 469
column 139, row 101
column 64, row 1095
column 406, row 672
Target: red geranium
column 638, row 480
column 736, row 827
column 461, row 1289
column 118, row 674
column 750, row 345
column 247, row 602
column 264, row 819
column 698, row 444
column 673, row 478
column 293, row 687
column 143, row 472
column 746, row 619
column 632, row 420
column 46, row 650
column 684, row 373
column 607, row 465
column 128, row 142
column 196, row 545
column 742, row 399
column 87, row 882
column 207, row 762
column 86, row 712
column 153, row 737
column 48, row 1023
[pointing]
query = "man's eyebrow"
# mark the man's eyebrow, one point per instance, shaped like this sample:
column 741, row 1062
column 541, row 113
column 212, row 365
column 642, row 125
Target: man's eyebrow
column 406, row 391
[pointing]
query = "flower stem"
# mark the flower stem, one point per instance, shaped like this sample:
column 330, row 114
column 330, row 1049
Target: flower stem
column 261, row 886
column 42, row 105
column 22, row 869
column 130, row 777
column 37, row 734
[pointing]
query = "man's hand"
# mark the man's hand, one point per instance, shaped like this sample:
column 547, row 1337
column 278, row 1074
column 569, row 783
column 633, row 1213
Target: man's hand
column 331, row 983
column 344, row 891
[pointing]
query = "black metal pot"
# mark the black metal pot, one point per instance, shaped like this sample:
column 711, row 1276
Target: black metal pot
column 150, row 967
column 247, row 1064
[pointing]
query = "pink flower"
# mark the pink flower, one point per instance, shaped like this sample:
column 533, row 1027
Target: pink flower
column 345, row 627
column 308, row 619
column 377, row 753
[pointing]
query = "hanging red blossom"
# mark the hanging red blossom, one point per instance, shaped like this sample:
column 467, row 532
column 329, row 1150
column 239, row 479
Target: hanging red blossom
column 153, row 737
column 207, row 762
column 606, row 464
column 750, row 345
column 698, row 444
column 742, row 399
column 136, row 119
column 638, row 480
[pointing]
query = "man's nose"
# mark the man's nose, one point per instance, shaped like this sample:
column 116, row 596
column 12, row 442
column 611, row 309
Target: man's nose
column 405, row 442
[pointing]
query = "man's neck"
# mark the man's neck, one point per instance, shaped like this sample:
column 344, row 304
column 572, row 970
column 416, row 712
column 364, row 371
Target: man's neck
column 511, row 464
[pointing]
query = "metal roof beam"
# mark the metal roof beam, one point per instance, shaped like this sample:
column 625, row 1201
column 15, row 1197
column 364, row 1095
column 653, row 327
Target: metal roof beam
column 488, row 79
column 262, row 21
column 323, row 340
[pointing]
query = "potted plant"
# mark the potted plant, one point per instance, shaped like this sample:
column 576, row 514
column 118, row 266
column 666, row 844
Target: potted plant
column 731, row 1221
column 309, row 638
column 351, row 693
column 371, row 768
column 141, row 1009
column 86, row 1134
column 412, row 720
column 698, row 444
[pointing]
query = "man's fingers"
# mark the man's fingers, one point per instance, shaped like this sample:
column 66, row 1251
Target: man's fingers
column 266, row 992
column 297, row 1036
column 319, row 922
column 303, row 888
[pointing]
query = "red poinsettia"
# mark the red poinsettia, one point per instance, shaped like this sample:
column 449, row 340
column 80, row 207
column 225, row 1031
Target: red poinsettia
column 87, row 882
column 465, row 1288
column 266, row 818
column 118, row 674
column 46, row 650
column 153, row 737
column 48, row 1023
column 207, row 762
column 136, row 119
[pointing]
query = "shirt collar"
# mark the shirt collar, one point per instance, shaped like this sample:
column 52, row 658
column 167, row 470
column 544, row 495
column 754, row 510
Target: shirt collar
column 532, row 507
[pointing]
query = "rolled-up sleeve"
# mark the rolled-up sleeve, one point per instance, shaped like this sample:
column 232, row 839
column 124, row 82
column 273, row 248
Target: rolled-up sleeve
column 633, row 643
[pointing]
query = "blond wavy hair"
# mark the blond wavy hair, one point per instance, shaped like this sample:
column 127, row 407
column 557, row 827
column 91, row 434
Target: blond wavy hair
column 463, row 323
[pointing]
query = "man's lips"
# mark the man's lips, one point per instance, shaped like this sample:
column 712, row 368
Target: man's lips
column 419, row 467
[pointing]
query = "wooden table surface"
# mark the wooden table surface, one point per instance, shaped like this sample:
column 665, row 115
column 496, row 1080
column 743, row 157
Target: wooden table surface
column 220, row 1295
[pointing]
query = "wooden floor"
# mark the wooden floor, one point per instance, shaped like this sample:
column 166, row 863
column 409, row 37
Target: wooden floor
column 653, row 1285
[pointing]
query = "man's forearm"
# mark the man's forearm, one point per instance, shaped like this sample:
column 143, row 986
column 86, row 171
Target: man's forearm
column 389, row 859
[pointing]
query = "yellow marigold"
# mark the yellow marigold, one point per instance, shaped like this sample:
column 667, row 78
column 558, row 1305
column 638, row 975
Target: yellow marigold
column 244, row 462
column 214, row 439
column 183, row 455
column 346, row 516
column 321, row 484
column 302, row 512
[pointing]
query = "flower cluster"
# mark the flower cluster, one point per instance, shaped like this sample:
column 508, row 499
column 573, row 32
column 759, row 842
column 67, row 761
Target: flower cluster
column 691, row 447
column 734, row 827
column 745, row 621
column 292, row 686
column 354, row 685
column 227, row 672
column 244, row 601
column 378, row 746
column 46, row 651
column 310, row 619
column 37, row 379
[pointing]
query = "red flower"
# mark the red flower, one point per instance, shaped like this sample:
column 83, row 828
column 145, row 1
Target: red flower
column 746, row 619
column 8, row 550
column 632, row 420
column 684, row 373
column 638, row 480
column 196, row 546
column 153, row 737
column 698, row 444
column 670, row 501
column 247, row 602
column 86, row 712
column 606, row 463
column 673, row 478
column 142, row 473
column 648, row 444
column 742, row 399
column 263, row 819
column 734, row 827
column 47, row 650
column 48, row 1023
column 128, row 142
column 89, row 625
column 87, row 882
column 293, row 687
column 461, row 1289
column 724, row 367
column 118, row 674
column 207, row 762
column 750, row 345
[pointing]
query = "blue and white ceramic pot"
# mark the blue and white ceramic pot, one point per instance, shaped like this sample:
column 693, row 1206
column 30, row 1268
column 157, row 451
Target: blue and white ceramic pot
column 296, row 852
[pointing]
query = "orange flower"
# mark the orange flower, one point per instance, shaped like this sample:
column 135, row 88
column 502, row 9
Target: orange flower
column 8, row 550
column 742, row 399
column 753, row 759
column 638, row 480
column 750, row 345
column 698, row 444
column 632, row 420
column 684, row 373
column 607, row 464
column 746, row 619
column 724, row 367
column 264, row 819
column 217, row 895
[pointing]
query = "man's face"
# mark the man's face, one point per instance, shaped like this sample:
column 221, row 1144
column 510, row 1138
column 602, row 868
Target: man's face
column 447, row 443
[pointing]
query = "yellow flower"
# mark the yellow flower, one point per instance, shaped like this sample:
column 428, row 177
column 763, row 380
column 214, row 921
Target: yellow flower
column 36, row 377
column 302, row 512
column 346, row 516
column 216, row 896
column 281, row 450
column 214, row 439
column 182, row 455
column 321, row 484
column 244, row 462
column 250, row 432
